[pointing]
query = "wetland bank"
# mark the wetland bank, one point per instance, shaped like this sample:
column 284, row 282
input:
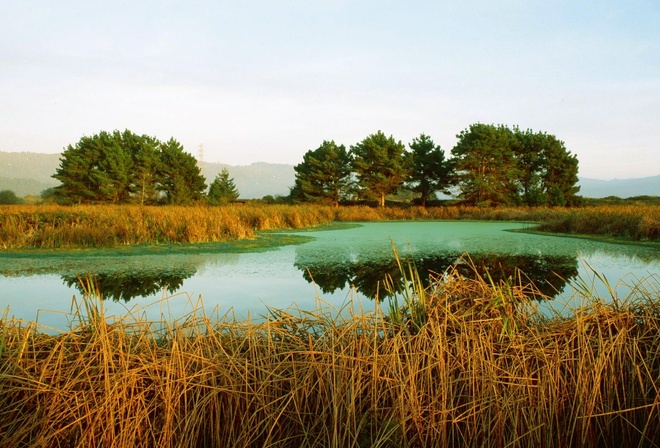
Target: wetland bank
column 467, row 358
column 277, row 268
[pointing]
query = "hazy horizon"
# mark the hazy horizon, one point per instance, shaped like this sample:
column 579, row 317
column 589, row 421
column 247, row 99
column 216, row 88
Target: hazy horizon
column 293, row 164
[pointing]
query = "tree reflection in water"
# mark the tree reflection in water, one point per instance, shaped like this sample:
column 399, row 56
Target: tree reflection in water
column 549, row 274
column 364, row 270
column 125, row 286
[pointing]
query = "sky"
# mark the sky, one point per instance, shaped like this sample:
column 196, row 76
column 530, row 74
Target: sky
column 266, row 81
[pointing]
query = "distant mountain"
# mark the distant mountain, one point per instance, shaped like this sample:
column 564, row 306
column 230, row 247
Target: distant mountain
column 623, row 188
column 28, row 173
column 257, row 180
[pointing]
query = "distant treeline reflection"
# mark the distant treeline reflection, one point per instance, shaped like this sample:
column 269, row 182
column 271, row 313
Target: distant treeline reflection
column 549, row 274
column 332, row 273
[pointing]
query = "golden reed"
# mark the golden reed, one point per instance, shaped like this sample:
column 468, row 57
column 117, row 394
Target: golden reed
column 50, row 226
column 480, row 367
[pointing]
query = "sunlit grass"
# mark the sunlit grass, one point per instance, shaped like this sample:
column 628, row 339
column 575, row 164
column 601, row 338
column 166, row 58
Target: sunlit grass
column 632, row 222
column 108, row 226
column 40, row 226
column 472, row 364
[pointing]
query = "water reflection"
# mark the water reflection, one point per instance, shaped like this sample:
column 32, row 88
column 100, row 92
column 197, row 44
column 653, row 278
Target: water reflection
column 125, row 286
column 120, row 278
column 549, row 274
column 333, row 271
column 335, row 260
column 154, row 275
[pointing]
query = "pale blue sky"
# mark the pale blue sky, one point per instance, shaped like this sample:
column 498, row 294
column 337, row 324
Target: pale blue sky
column 268, row 80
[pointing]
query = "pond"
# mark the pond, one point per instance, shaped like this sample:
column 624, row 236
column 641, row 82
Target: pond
column 335, row 265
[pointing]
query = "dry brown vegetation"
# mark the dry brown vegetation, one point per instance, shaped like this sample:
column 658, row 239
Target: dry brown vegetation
column 476, row 366
column 52, row 226
column 632, row 222
column 466, row 362
column 108, row 226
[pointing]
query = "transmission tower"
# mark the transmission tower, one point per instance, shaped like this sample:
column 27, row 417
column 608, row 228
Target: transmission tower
column 200, row 155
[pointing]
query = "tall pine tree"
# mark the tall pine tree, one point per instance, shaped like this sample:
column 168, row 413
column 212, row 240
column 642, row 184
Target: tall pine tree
column 430, row 171
column 324, row 175
column 223, row 189
column 381, row 166
column 122, row 167
column 499, row 166
column 486, row 167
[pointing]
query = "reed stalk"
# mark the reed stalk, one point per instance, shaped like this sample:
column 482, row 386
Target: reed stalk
column 483, row 368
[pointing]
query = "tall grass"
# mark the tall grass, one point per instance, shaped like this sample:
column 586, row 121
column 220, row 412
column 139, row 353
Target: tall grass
column 106, row 226
column 639, row 223
column 482, row 368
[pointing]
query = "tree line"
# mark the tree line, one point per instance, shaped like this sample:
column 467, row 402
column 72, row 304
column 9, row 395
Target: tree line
column 126, row 168
column 489, row 165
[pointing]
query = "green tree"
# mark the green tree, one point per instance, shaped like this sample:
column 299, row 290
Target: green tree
column 223, row 189
column 560, row 173
column 96, row 169
column 547, row 170
column 528, row 148
column 8, row 197
column 430, row 170
column 381, row 166
column 122, row 167
column 115, row 167
column 486, row 167
column 78, row 170
column 324, row 175
column 145, row 154
column 497, row 165
column 179, row 177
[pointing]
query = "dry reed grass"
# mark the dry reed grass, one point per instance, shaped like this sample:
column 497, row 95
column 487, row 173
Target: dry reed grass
column 107, row 226
column 482, row 369
column 51, row 226
column 633, row 222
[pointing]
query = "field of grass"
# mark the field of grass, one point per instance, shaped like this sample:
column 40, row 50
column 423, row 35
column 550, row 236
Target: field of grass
column 630, row 222
column 39, row 226
column 463, row 363
column 107, row 226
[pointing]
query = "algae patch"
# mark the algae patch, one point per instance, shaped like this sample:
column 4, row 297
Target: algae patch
column 152, row 256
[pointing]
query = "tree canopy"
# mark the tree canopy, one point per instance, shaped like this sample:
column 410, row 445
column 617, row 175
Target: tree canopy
column 8, row 197
column 123, row 167
column 324, row 175
column 489, row 165
column 223, row 189
column 381, row 166
column 179, row 177
column 486, row 170
column 430, row 171
column 496, row 165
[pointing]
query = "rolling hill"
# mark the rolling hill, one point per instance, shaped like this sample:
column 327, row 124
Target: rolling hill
column 28, row 173
column 623, row 188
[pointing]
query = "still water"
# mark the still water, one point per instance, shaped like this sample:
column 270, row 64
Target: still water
column 334, row 265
